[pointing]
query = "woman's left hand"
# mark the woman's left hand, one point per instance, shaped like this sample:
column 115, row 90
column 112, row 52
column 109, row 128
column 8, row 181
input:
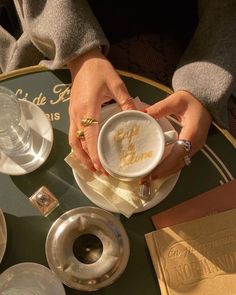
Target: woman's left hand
column 195, row 121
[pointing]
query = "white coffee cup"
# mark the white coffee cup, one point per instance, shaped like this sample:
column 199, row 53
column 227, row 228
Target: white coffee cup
column 131, row 144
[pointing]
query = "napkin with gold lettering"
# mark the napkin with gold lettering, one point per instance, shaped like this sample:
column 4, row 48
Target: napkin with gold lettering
column 124, row 196
column 197, row 257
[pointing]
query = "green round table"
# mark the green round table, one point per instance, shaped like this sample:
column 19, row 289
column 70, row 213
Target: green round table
column 27, row 228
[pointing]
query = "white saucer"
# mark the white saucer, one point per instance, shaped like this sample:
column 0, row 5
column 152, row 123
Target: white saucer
column 30, row 278
column 94, row 197
column 160, row 195
column 3, row 235
column 42, row 134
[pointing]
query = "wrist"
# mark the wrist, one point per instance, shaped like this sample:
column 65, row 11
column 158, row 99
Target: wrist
column 191, row 99
column 75, row 64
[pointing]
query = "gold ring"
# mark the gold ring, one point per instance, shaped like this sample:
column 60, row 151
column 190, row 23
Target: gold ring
column 80, row 134
column 88, row 122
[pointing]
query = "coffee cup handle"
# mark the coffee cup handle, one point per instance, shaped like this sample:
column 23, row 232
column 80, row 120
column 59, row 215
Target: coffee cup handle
column 170, row 136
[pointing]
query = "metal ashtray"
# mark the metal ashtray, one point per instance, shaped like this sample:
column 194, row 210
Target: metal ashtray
column 87, row 248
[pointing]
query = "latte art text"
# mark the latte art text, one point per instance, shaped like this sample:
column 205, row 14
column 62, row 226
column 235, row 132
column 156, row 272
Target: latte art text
column 128, row 153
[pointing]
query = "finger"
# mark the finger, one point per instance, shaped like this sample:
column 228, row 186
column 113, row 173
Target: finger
column 191, row 131
column 77, row 148
column 84, row 146
column 165, row 107
column 127, row 104
column 124, row 99
column 173, row 163
column 91, row 136
column 176, row 160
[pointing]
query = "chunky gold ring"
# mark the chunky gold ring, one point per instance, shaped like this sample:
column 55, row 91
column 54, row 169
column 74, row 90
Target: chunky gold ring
column 88, row 122
column 80, row 134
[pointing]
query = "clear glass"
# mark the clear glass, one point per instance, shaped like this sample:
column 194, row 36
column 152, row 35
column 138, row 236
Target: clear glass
column 14, row 129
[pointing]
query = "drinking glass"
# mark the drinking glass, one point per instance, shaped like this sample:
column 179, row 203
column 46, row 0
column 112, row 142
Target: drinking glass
column 15, row 135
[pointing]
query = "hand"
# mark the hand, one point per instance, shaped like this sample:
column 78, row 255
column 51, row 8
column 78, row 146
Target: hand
column 94, row 82
column 195, row 121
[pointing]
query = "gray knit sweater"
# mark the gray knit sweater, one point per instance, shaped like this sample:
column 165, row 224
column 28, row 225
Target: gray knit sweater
column 208, row 67
column 55, row 32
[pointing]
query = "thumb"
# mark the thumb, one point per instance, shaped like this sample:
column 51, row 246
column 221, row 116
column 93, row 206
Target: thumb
column 124, row 99
column 163, row 108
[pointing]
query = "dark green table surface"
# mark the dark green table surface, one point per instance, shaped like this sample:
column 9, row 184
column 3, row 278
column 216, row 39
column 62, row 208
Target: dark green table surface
column 27, row 228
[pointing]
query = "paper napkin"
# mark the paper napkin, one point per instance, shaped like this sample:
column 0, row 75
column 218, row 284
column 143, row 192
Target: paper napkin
column 124, row 196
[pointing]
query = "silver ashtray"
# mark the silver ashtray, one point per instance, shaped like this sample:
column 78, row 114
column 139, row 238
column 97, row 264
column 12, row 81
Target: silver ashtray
column 87, row 248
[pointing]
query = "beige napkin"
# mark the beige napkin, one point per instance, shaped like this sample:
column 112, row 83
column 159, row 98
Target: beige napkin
column 124, row 196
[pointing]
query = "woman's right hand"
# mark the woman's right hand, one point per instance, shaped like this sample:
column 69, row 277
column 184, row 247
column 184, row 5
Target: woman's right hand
column 94, row 82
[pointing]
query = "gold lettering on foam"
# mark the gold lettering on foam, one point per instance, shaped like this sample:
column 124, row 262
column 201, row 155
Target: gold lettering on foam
column 63, row 91
column 130, row 156
column 130, row 134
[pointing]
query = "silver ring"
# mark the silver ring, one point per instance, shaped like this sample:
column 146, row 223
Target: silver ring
column 186, row 144
column 187, row 160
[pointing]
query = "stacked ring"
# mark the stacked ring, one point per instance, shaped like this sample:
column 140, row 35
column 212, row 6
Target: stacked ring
column 187, row 145
column 80, row 134
column 85, row 123
column 88, row 122
column 187, row 160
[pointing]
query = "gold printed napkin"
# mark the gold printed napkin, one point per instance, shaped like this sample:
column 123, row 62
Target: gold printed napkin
column 124, row 196
column 196, row 257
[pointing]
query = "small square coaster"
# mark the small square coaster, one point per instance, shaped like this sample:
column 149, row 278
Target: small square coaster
column 44, row 201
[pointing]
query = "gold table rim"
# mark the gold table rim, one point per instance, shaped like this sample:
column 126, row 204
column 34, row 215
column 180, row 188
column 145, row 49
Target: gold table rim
column 39, row 68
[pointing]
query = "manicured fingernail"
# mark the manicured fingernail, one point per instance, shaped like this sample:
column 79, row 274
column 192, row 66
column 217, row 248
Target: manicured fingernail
column 105, row 173
column 93, row 169
column 143, row 110
column 96, row 167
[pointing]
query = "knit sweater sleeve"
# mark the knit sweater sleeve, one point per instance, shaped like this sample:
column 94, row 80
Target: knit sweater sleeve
column 61, row 30
column 208, row 67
